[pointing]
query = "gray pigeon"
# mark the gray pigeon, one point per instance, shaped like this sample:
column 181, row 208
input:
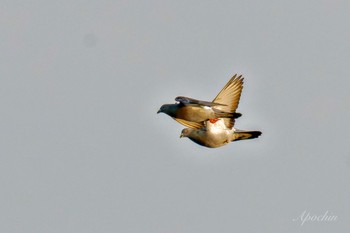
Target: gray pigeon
column 193, row 113
column 217, row 134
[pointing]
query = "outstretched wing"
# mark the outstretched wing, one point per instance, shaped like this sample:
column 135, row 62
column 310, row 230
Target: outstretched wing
column 229, row 97
column 186, row 101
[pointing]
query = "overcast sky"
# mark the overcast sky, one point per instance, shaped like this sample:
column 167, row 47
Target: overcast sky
column 83, row 150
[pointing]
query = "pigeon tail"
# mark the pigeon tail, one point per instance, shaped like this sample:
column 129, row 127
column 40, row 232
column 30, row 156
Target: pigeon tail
column 242, row 135
column 221, row 114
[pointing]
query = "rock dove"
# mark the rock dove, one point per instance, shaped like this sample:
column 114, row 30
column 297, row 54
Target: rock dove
column 217, row 134
column 193, row 113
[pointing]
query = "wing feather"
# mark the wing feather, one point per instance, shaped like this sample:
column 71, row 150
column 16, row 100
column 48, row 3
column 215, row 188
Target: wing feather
column 230, row 96
column 190, row 124
column 187, row 101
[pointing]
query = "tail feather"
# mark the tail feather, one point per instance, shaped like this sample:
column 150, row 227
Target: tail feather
column 242, row 135
column 220, row 114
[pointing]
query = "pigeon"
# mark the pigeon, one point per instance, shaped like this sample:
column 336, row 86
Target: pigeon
column 220, row 131
column 194, row 113
column 217, row 134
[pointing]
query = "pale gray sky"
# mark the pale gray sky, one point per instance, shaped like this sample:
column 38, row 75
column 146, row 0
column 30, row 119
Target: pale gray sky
column 83, row 150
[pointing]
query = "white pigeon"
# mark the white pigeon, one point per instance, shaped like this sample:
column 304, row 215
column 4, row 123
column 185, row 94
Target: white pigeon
column 217, row 134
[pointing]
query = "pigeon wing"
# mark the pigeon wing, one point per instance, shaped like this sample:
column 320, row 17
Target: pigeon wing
column 229, row 97
column 187, row 101
column 190, row 124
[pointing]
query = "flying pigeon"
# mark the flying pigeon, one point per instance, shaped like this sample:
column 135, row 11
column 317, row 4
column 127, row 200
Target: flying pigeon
column 194, row 113
column 220, row 131
column 217, row 134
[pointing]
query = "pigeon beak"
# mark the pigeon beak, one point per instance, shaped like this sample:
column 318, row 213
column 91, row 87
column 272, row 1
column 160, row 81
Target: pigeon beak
column 181, row 135
column 158, row 111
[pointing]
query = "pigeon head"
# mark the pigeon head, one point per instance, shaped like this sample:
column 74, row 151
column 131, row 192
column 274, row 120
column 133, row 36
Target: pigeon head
column 186, row 132
column 169, row 109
